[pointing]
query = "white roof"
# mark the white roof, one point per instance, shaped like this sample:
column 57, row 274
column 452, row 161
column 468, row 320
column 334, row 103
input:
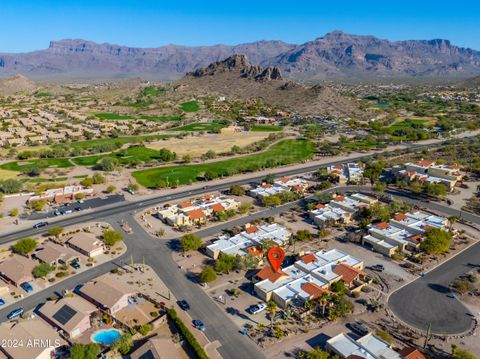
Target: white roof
column 369, row 347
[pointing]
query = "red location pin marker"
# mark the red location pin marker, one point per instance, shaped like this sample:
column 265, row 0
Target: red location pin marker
column 275, row 256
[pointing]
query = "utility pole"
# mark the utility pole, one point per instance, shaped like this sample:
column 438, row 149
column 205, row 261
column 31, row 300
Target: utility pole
column 427, row 337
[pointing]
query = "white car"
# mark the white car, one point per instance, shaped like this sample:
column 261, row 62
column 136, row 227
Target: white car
column 255, row 309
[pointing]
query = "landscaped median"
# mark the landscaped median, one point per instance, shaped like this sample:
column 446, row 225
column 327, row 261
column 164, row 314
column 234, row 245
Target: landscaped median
column 189, row 337
column 283, row 153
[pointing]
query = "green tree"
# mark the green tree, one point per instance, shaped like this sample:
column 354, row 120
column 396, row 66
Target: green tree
column 123, row 344
column 132, row 187
column 13, row 212
column 190, row 242
column 107, row 164
column 10, row 186
column 226, row 263
column 55, row 231
column 42, row 270
column 85, row 351
column 97, row 178
column 272, row 310
column 208, row 274
column 458, row 353
column 318, row 353
column 271, row 201
column 303, row 235
column 338, row 287
column 187, row 158
column 436, row 189
column 111, row 189
column 25, row 246
column 237, row 190
column 386, row 337
column 38, row 205
column 373, row 171
column 110, row 237
column 87, row 182
column 145, row 329
column 269, row 179
column 436, row 241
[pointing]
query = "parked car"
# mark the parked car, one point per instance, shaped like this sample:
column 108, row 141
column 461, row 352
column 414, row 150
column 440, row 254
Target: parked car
column 68, row 211
column 80, row 201
column 26, row 287
column 358, row 328
column 257, row 308
column 57, row 213
column 78, row 209
column 197, row 323
column 377, row 267
column 40, row 224
column 75, row 265
column 15, row 313
column 184, row 304
column 2, row 302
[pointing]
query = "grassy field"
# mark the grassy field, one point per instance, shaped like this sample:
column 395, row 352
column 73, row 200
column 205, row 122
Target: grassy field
column 200, row 126
column 125, row 157
column 41, row 163
column 153, row 91
column 6, row 174
column 190, row 106
column 266, row 128
column 282, row 153
column 113, row 116
column 160, row 118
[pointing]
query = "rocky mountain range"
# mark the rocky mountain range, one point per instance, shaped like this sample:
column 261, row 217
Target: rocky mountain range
column 336, row 55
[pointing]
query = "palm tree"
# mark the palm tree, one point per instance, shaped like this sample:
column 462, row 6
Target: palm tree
column 452, row 220
column 324, row 299
column 272, row 310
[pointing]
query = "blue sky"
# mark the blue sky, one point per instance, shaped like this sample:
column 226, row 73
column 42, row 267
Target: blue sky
column 29, row 25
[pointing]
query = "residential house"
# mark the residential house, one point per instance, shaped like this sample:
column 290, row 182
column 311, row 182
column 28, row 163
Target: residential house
column 196, row 212
column 403, row 231
column 250, row 241
column 308, row 277
column 157, row 348
column 54, row 254
column 38, row 339
column 17, row 269
column 70, row 314
column 347, row 172
column 411, row 353
column 87, row 244
column 280, row 185
column 60, row 195
column 367, row 347
column 109, row 295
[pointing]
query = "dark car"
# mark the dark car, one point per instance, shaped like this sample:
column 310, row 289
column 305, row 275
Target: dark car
column 184, row 305
column 377, row 267
column 358, row 328
column 75, row 265
column 26, row 287
column 78, row 209
column 15, row 313
column 197, row 323
column 40, row 224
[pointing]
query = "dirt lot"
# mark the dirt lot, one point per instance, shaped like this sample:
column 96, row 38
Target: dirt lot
column 199, row 144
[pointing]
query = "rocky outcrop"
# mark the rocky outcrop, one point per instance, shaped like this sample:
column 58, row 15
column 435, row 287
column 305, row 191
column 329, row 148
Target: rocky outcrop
column 238, row 63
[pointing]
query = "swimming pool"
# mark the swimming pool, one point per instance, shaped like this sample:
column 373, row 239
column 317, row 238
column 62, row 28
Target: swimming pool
column 106, row 337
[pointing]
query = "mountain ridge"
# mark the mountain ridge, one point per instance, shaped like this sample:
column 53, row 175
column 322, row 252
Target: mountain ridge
column 334, row 56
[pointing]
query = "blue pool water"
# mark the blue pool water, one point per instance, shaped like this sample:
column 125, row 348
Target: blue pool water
column 106, row 337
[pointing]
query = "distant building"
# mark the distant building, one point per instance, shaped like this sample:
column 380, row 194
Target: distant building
column 348, row 172
column 60, row 195
column 402, row 231
column 87, row 244
column 250, row 241
column 196, row 212
column 280, row 185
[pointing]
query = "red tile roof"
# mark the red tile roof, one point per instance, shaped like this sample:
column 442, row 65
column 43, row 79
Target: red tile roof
column 313, row 289
column 320, row 206
column 424, row 163
column 284, row 179
column 255, row 250
column 267, row 272
column 185, row 204
column 348, row 273
column 399, row 217
column 266, row 185
column 411, row 353
column 217, row 207
column 308, row 258
column 196, row 214
column 339, row 198
column 251, row 229
column 382, row 225
column 416, row 238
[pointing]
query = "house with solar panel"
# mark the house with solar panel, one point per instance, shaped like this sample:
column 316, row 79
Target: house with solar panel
column 71, row 315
